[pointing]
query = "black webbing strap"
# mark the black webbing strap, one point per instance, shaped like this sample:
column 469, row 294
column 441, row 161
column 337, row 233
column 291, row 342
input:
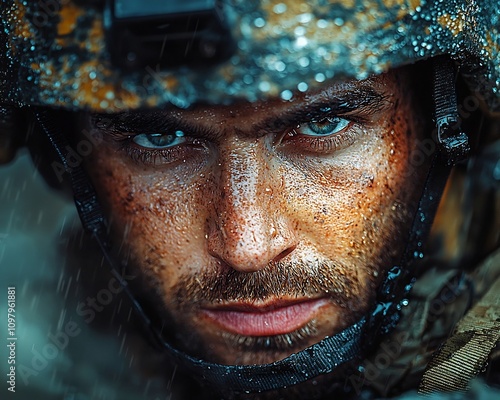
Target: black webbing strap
column 326, row 355
column 318, row 359
column 451, row 146
column 87, row 205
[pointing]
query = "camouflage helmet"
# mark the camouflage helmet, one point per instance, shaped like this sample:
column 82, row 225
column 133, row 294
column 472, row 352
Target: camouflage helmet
column 55, row 51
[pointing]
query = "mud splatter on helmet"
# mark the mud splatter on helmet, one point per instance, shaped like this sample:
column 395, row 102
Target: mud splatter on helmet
column 58, row 53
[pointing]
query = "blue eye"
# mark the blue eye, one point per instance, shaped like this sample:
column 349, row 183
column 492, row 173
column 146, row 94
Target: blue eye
column 159, row 140
column 325, row 127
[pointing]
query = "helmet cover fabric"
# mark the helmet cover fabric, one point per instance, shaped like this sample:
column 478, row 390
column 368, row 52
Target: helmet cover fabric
column 55, row 51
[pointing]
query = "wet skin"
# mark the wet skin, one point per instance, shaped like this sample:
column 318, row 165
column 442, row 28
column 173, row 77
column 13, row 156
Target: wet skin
column 263, row 227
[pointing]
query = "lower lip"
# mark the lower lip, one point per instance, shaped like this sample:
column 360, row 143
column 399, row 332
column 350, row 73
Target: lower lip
column 278, row 321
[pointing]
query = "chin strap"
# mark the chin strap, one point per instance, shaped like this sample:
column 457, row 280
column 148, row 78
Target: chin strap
column 452, row 146
column 331, row 352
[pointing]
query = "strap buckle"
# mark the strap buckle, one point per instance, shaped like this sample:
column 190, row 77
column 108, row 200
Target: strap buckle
column 453, row 142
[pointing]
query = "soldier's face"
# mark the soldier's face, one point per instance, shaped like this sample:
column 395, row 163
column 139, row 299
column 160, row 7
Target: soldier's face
column 262, row 228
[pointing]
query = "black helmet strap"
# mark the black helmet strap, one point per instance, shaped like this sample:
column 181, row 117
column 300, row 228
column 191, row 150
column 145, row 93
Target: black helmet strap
column 326, row 355
column 452, row 146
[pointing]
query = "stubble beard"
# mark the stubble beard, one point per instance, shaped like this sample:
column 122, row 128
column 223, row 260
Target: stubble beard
column 220, row 283
column 342, row 287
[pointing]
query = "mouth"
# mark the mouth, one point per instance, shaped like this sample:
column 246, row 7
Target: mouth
column 275, row 318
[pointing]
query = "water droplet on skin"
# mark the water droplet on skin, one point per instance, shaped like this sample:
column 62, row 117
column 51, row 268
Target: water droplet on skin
column 305, row 18
column 304, row 62
column 299, row 31
column 322, row 23
column 280, row 8
column 248, row 79
column 286, row 95
column 259, row 22
column 319, row 77
column 302, row 86
column 264, row 86
column 280, row 66
column 301, row 42
column 338, row 21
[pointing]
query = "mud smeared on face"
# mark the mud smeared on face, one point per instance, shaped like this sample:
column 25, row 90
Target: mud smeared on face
column 264, row 205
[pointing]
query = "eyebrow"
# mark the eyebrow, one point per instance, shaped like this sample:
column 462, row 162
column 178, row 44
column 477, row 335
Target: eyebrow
column 363, row 100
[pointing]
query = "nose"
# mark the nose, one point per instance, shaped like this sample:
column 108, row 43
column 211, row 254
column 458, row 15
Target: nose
column 248, row 229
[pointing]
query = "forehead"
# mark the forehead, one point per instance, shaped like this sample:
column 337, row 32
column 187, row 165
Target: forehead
column 349, row 98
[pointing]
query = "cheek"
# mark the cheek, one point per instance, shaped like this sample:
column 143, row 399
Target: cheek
column 157, row 219
column 351, row 204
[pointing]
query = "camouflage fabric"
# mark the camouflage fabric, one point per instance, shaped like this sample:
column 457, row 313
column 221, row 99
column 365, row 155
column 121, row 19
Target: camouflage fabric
column 55, row 52
column 440, row 298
